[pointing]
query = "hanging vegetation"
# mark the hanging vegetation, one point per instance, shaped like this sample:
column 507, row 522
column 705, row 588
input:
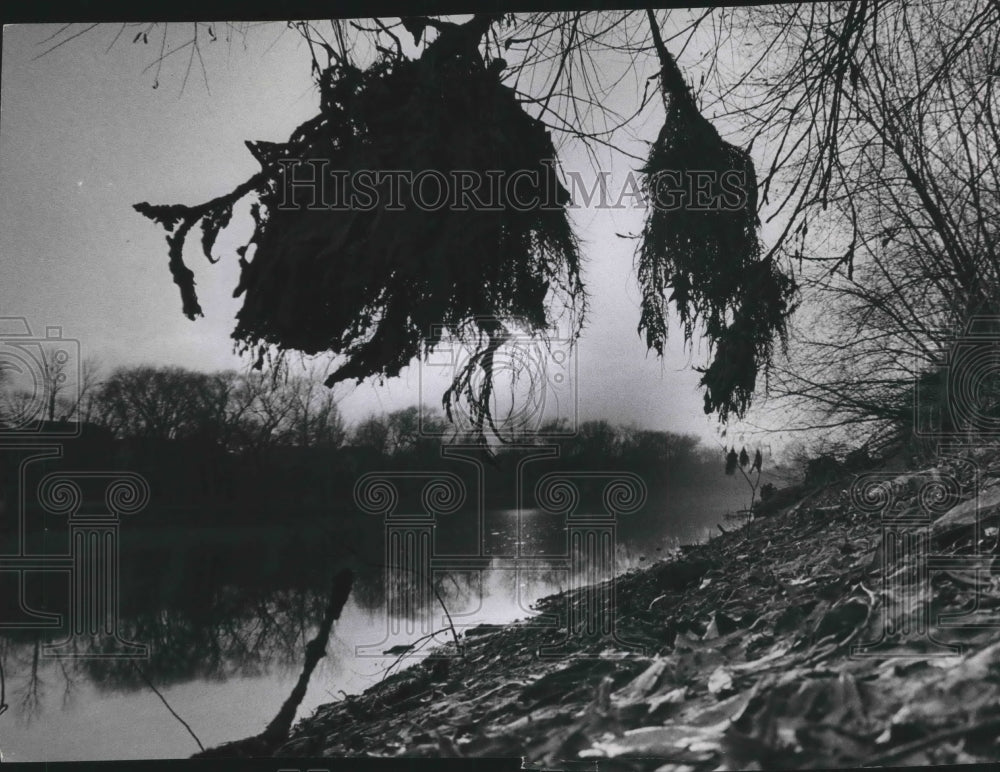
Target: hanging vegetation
column 367, row 272
column 381, row 262
column 732, row 461
column 704, row 249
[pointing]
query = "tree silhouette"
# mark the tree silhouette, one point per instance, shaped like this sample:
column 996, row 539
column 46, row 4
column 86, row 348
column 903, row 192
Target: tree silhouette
column 381, row 285
column 822, row 97
column 371, row 284
column 709, row 257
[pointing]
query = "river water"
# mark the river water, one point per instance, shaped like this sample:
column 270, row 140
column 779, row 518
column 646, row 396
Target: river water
column 226, row 616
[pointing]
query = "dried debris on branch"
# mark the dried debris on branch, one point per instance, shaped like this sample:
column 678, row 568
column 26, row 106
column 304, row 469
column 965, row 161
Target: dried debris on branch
column 708, row 256
column 380, row 285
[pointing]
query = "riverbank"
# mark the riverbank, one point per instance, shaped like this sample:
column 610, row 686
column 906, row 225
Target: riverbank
column 764, row 648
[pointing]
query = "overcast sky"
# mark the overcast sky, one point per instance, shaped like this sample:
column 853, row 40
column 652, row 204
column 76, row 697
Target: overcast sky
column 84, row 136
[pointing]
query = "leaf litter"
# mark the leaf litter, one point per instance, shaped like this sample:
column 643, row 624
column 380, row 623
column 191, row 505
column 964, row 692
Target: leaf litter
column 765, row 648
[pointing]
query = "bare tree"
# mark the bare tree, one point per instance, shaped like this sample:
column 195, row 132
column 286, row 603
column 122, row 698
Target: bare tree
column 873, row 124
column 315, row 420
column 912, row 209
column 162, row 403
column 60, row 393
column 81, row 405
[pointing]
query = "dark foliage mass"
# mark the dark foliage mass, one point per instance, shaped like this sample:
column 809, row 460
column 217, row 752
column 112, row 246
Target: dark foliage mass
column 378, row 280
column 381, row 284
column 708, row 258
column 383, row 279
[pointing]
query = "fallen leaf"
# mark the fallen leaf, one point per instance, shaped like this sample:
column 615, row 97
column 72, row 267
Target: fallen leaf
column 720, row 683
column 642, row 684
column 966, row 514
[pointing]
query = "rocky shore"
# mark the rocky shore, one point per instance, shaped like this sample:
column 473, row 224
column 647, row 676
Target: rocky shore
column 858, row 626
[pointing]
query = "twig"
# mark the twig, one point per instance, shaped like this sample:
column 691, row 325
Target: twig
column 3, row 691
column 421, row 640
column 167, row 704
column 434, row 589
column 925, row 742
column 451, row 624
column 393, row 35
column 63, row 42
column 753, row 485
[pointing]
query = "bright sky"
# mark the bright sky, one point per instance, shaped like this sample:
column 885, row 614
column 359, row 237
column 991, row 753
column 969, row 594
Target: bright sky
column 84, row 136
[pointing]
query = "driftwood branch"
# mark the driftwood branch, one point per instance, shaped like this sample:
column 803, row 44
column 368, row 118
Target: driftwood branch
column 315, row 650
column 276, row 733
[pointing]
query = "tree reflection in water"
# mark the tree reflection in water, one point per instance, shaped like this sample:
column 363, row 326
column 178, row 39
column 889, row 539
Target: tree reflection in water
column 238, row 607
column 211, row 609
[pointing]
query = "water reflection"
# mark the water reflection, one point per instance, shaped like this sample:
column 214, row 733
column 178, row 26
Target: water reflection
column 226, row 613
column 226, row 616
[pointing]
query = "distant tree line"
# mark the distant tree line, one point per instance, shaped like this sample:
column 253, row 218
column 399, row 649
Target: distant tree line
column 234, row 446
